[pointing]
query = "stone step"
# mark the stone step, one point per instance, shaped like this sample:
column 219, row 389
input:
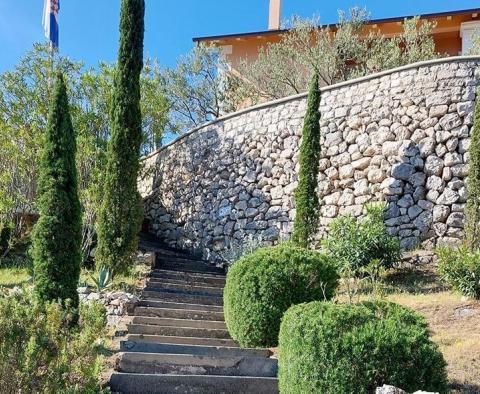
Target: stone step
column 188, row 276
column 185, row 290
column 167, row 321
column 179, row 313
column 146, row 347
column 182, row 297
column 154, row 303
column 187, row 281
column 177, row 331
column 128, row 383
column 175, row 258
column 187, row 364
column 181, row 284
column 168, row 339
column 189, row 266
column 175, row 253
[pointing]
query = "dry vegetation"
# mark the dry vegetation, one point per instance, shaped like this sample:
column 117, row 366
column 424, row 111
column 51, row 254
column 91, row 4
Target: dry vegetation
column 453, row 319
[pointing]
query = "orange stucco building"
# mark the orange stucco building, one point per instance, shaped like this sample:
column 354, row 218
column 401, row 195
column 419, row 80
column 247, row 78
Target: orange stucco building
column 452, row 34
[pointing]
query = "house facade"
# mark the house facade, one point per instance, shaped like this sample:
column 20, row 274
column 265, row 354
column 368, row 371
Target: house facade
column 452, row 34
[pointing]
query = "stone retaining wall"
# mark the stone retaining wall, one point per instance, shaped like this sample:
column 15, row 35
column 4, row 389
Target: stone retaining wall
column 400, row 136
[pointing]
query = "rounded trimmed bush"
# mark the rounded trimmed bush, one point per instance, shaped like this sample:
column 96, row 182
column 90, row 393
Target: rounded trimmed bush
column 261, row 286
column 340, row 349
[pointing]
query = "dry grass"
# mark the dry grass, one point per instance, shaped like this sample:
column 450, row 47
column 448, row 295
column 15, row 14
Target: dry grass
column 11, row 277
column 455, row 326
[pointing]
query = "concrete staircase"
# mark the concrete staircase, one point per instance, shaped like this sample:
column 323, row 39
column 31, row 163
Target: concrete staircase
column 177, row 340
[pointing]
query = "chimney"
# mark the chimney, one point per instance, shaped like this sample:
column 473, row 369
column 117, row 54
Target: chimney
column 275, row 15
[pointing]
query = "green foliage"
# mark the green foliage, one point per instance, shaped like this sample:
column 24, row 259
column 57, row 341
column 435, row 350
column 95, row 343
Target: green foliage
column 16, row 255
column 337, row 54
column 121, row 211
column 353, row 243
column 247, row 245
column 39, row 353
column 472, row 209
column 306, row 198
column 460, row 268
column 195, row 88
column 5, row 237
column 24, row 98
column 24, row 94
column 341, row 349
column 475, row 44
column 261, row 286
column 103, row 280
column 57, row 234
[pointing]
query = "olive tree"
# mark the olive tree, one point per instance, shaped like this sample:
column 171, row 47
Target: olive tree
column 336, row 53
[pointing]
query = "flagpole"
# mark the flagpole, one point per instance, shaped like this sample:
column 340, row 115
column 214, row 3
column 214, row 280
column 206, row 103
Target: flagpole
column 50, row 24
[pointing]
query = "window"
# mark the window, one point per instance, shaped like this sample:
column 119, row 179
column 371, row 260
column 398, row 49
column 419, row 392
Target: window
column 467, row 30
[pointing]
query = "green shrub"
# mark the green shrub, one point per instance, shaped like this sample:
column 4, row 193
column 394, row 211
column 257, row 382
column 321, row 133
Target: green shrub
column 39, row 353
column 355, row 243
column 306, row 198
column 472, row 209
column 341, row 349
column 121, row 212
column 5, row 235
column 460, row 268
column 261, row 286
column 58, row 233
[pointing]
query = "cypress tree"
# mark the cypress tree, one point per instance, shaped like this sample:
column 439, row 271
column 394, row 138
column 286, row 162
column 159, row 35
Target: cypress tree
column 306, row 199
column 57, row 235
column 472, row 209
column 121, row 212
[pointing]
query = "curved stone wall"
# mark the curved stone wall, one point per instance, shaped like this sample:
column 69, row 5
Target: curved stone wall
column 400, row 136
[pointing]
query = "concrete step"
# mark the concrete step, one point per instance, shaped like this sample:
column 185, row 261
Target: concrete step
column 177, row 331
column 187, row 364
column 170, row 339
column 179, row 313
column 128, row 383
column 176, row 254
column 188, row 277
column 189, row 266
column 179, row 290
column 182, row 297
column 154, row 303
column 187, row 282
column 165, row 284
column 167, row 321
column 146, row 347
column 170, row 258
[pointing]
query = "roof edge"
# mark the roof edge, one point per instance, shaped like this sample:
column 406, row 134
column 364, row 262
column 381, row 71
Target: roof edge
column 370, row 22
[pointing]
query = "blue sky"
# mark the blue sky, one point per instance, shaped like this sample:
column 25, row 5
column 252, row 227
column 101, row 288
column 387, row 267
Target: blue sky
column 89, row 28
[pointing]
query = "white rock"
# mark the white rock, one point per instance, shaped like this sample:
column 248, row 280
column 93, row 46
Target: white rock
column 440, row 213
column 346, row 171
column 448, row 197
column 438, row 111
column 376, row 175
column 434, row 165
column 450, row 121
column 452, row 159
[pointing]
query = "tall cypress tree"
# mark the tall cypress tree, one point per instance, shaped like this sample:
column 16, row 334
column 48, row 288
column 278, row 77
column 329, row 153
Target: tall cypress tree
column 121, row 212
column 306, row 199
column 57, row 235
column 472, row 209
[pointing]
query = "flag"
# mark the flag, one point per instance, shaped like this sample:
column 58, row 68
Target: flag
column 50, row 21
